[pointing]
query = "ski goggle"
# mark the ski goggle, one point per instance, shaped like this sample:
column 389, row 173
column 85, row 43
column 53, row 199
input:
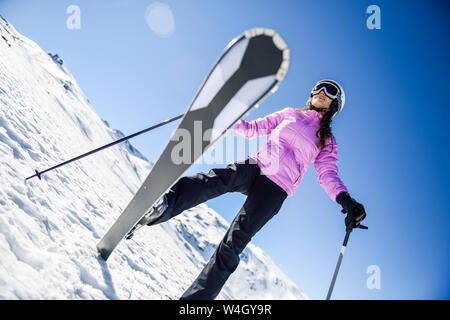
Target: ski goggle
column 329, row 89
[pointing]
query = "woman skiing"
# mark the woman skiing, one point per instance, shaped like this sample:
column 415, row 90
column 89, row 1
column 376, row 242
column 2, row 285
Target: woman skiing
column 297, row 137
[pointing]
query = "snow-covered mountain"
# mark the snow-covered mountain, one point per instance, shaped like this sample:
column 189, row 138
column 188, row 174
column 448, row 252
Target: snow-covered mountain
column 49, row 228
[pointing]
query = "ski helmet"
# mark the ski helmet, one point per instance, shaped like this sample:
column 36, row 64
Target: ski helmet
column 338, row 96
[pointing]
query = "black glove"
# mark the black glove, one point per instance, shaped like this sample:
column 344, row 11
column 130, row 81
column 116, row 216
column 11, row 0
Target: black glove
column 355, row 211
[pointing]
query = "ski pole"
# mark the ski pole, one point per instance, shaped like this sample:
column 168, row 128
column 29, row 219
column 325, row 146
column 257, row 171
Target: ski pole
column 39, row 174
column 341, row 255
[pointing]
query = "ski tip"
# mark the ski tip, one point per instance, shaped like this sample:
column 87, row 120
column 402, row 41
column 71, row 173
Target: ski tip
column 276, row 38
column 279, row 43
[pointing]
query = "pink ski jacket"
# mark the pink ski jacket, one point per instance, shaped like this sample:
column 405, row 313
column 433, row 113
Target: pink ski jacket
column 290, row 149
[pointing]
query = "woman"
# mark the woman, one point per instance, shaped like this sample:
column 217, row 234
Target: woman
column 297, row 137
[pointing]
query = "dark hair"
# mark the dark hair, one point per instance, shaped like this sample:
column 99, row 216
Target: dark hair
column 324, row 131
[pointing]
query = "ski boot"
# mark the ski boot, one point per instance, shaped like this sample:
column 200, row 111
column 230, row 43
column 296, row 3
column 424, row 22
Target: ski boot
column 151, row 216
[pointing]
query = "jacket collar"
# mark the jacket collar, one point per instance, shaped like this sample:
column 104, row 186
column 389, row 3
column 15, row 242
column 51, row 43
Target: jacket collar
column 314, row 114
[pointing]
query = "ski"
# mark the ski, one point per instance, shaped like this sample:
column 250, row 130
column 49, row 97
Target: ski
column 251, row 67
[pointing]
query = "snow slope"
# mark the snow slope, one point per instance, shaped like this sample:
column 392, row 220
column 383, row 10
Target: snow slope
column 49, row 228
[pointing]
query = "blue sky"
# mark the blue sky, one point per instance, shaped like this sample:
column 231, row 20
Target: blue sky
column 392, row 133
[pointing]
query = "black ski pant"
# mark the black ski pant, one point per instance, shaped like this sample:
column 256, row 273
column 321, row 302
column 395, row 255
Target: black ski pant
column 264, row 200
